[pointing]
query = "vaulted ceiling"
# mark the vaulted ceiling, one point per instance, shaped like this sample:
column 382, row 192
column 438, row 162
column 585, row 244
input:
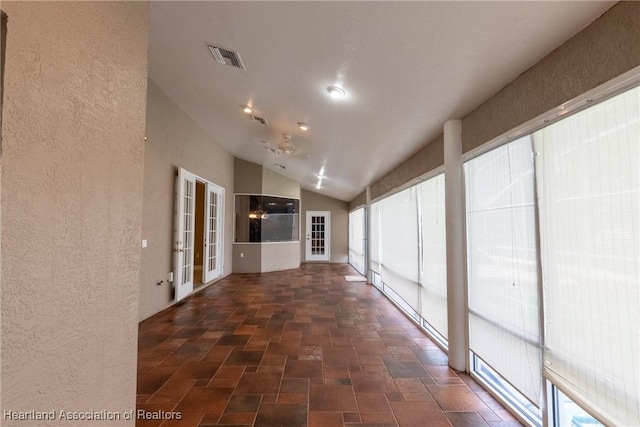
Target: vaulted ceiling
column 406, row 68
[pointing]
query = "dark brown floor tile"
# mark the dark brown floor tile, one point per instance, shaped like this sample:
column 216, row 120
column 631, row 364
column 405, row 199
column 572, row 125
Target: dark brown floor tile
column 233, row 340
column 229, row 373
column 293, row 398
column 244, row 358
column 273, row 360
column 410, row 385
column 237, row 419
column 415, row 414
column 332, row 398
column 258, row 383
column 465, row 419
column 342, row 358
column 194, row 349
column 433, row 358
column 282, row 415
column 457, row 398
column 303, row 369
column 149, row 383
column 366, row 382
column 205, row 400
column 351, row 417
column 197, row 370
column 325, row 419
column 263, row 349
column 218, row 354
column 243, row 403
column 417, row 397
column 285, row 346
column 372, row 402
column 186, row 420
column 406, row 369
column 210, row 419
column 295, row 385
column 441, row 372
column 378, row 417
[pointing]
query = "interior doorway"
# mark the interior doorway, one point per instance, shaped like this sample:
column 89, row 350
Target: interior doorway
column 198, row 236
column 198, row 247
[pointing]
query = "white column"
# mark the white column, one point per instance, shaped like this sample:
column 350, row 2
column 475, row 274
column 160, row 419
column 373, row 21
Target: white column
column 456, row 263
column 367, row 244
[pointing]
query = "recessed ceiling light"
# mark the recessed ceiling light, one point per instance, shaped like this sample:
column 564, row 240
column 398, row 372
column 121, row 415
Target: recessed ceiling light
column 336, row 92
column 247, row 109
column 303, row 126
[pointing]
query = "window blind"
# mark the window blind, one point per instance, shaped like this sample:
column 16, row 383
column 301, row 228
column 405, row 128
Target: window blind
column 588, row 189
column 399, row 245
column 433, row 281
column 502, row 265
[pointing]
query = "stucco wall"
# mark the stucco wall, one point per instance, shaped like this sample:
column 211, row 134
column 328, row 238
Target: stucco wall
column 174, row 140
column 248, row 177
column 72, row 162
column 359, row 200
column 604, row 50
column 274, row 184
column 311, row 201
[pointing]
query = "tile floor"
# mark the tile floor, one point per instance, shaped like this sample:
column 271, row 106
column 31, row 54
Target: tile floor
column 300, row 348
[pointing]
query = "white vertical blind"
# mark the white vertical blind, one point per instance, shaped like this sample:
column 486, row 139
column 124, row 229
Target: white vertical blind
column 356, row 239
column 433, row 282
column 399, row 245
column 502, row 267
column 588, row 188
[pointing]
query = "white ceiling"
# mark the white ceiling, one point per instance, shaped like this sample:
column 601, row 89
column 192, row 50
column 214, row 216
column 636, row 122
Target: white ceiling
column 407, row 67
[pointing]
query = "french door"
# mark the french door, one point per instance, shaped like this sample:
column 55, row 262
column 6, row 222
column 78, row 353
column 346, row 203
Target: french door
column 318, row 236
column 213, row 226
column 184, row 232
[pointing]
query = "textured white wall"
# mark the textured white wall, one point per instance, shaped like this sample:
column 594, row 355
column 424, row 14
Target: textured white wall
column 174, row 140
column 72, row 158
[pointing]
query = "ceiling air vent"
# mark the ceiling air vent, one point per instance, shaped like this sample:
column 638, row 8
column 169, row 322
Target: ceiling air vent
column 257, row 119
column 226, row 57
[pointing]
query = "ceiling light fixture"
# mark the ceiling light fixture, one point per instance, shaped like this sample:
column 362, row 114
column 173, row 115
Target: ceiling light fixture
column 286, row 146
column 247, row 109
column 303, row 126
column 336, row 92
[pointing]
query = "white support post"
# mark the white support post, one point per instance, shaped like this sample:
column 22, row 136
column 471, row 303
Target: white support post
column 456, row 263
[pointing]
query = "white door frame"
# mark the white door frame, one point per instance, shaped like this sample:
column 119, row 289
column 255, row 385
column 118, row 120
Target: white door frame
column 184, row 233
column 318, row 243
